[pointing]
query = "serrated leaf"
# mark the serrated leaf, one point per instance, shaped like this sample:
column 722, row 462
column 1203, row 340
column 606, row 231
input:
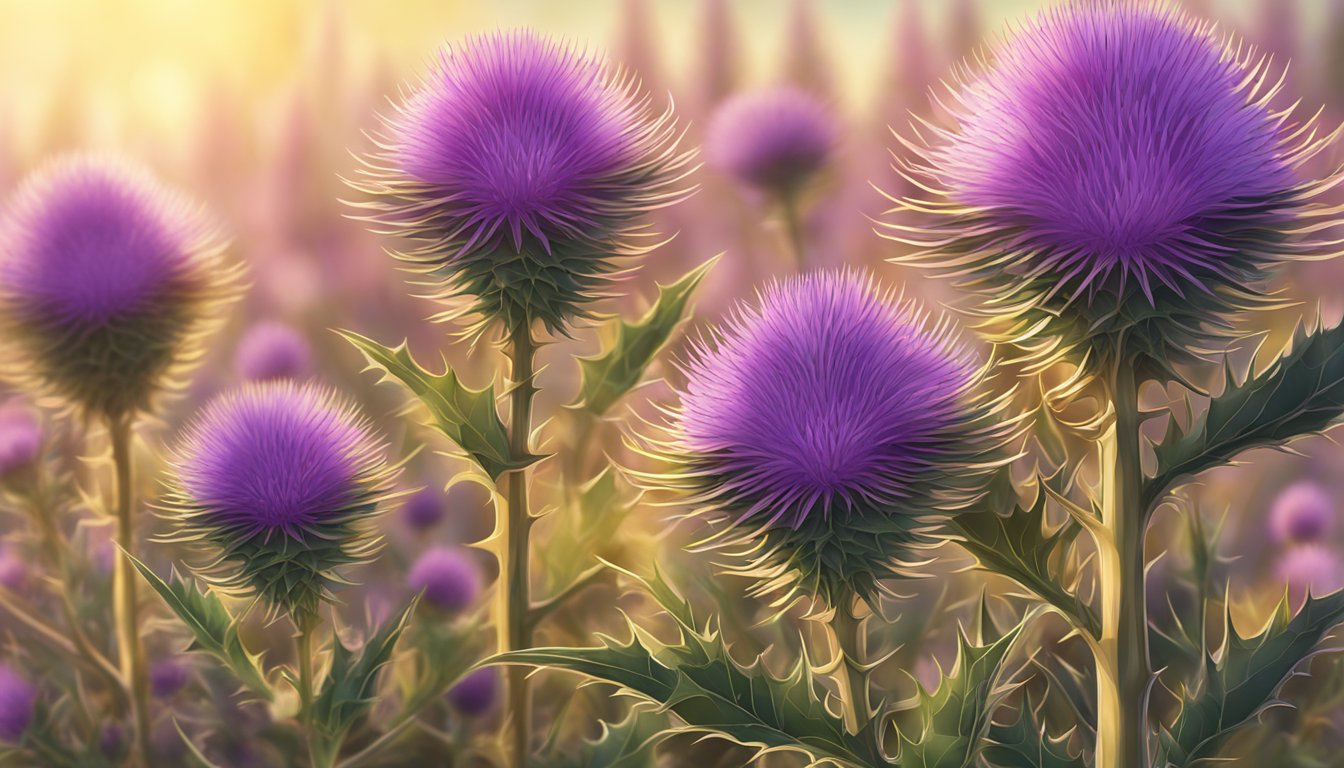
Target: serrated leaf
column 631, row 743
column 620, row 366
column 1024, row 743
column 466, row 416
column 698, row 681
column 350, row 688
column 1300, row 394
column 213, row 629
column 955, row 718
column 1018, row 546
column 1243, row 678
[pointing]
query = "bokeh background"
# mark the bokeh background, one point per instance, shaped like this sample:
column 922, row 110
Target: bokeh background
column 257, row 107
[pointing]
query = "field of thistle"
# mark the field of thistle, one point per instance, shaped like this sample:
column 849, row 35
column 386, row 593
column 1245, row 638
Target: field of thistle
column 632, row 383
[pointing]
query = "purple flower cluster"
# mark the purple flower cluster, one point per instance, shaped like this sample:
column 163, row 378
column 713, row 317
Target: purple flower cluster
column 272, row 350
column 1303, row 513
column 17, row 698
column 106, row 280
column 450, row 580
column 520, row 167
column 1119, row 167
column 476, row 694
column 773, row 140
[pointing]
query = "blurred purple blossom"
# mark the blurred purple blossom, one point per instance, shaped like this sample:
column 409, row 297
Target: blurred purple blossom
column 271, row 350
column 20, row 437
column 772, row 140
column 1309, row 569
column 476, row 694
column 1302, row 513
column 17, row 698
column 450, row 579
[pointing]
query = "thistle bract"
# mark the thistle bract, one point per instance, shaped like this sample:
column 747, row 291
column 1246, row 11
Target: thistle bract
column 1118, row 172
column 477, row 693
column 17, row 698
column 107, row 281
column 519, row 169
column 829, row 430
column 451, row 582
column 273, row 351
column 20, row 437
column 773, row 140
column 1302, row 513
column 281, row 481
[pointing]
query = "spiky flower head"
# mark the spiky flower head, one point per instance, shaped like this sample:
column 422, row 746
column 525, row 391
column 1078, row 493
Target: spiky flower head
column 17, row 699
column 1302, row 513
column 519, row 169
column 476, row 694
column 450, row 580
column 829, row 430
column 271, row 350
column 20, row 437
column 108, row 280
column 1310, row 569
column 281, row 482
column 1119, row 175
column 773, row 140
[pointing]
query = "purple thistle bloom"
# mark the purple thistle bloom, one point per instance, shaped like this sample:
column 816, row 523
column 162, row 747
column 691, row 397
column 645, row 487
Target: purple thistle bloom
column 424, row 509
column 167, row 677
column 773, row 140
column 1119, row 170
column 112, row 740
column 1303, row 513
column 836, row 422
column 1309, row 569
column 519, row 168
column 284, row 480
column 17, row 699
column 449, row 578
column 20, row 437
column 107, row 280
column 273, row 351
column 476, row 694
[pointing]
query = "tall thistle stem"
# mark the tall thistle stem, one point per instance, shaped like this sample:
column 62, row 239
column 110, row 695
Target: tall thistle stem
column 514, row 621
column 792, row 217
column 125, row 604
column 1122, row 650
column 849, row 642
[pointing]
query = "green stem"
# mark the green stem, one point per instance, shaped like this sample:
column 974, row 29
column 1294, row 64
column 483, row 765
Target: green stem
column 1122, row 650
column 125, row 605
column 513, row 621
column 793, row 227
column 849, row 642
column 319, row 753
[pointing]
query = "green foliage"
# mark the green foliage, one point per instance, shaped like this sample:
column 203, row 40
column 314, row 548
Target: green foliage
column 631, row 743
column 1024, row 743
column 1300, row 394
column 697, row 680
column 955, row 718
column 619, row 368
column 1244, row 677
column 466, row 416
column 1019, row 546
column 586, row 523
column 348, row 692
column 214, row 630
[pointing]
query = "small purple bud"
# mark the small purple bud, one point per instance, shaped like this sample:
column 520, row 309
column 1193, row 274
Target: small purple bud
column 1309, row 569
column 1302, row 513
column 773, row 140
column 450, row 579
column 20, row 437
column 17, row 698
column 112, row 740
column 13, row 569
column 167, row 677
column 273, row 351
column 477, row 693
column 424, row 509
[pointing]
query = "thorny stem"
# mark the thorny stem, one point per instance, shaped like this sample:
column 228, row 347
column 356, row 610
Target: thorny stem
column 513, row 621
column 124, row 602
column 1122, row 650
column 849, row 643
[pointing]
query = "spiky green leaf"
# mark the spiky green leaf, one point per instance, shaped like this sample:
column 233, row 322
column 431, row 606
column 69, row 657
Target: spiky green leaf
column 698, row 681
column 1244, row 677
column 350, row 688
column 1300, row 394
column 1025, row 743
column 630, row 743
column 954, row 719
column 213, row 629
column 466, row 416
column 620, row 366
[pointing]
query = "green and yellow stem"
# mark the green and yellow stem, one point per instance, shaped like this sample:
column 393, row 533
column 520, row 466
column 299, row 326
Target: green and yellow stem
column 513, row 619
column 791, row 214
column 849, row 643
column 125, row 605
column 1121, row 651
column 305, row 625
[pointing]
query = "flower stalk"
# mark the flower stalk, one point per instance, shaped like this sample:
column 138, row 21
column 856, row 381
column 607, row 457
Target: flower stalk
column 849, row 642
column 125, row 604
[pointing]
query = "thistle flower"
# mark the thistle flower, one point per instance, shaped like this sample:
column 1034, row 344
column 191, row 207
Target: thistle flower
column 1303, row 513
column 450, row 580
column 167, row 677
column 519, row 169
column 773, row 140
column 423, row 509
column 1309, row 569
column 20, row 438
column 1118, row 171
column 113, row 741
column 107, row 281
column 282, row 481
column 17, row 698
column 829, row 431
column 272, row 350
column 477, row 693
